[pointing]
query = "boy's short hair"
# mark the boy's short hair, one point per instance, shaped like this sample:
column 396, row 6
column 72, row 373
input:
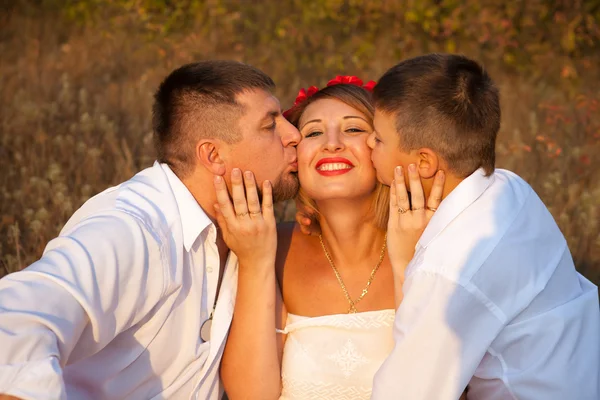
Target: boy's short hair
column 198, row 101
column 447, row 103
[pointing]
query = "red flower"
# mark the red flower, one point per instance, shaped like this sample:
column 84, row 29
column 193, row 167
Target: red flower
column 347, row 79
column 304, row 94
column 370, row 85
column 286, row 113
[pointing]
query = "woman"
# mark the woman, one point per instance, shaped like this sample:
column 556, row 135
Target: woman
column 335, row 310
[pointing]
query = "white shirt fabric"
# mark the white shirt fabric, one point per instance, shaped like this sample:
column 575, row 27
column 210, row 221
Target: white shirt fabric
column 334, row 357
column 492, row 299
column 113, row 309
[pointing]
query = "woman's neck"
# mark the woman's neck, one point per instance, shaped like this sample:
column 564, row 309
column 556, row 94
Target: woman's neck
column 349, row 232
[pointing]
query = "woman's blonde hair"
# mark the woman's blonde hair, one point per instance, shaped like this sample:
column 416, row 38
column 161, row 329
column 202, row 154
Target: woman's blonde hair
column 361, row 100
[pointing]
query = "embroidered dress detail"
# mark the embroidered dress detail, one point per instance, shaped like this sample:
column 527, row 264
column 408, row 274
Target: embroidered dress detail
column 334, row 356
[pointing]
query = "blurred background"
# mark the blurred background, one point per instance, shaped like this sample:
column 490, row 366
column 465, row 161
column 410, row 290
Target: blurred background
column 77, row 79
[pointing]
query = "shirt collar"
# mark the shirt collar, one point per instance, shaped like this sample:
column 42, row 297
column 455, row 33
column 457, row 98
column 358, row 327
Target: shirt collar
column 458, row 200
column 193, row 218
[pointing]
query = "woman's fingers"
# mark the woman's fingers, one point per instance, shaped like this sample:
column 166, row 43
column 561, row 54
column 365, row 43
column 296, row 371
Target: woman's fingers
column 225, row 207
column 252, row 195
column 437, row 191
column 304, row 222
column 267, row 201
column 237, row 193
column 394, row 213
column 221, row 220
column 401, row 194
column 416, row 189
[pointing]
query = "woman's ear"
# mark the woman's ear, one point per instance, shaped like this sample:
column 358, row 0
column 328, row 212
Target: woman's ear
column 428, row 164
column 209, row 156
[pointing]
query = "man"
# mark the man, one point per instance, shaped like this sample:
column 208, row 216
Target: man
column 491, row 296
column 117, row 307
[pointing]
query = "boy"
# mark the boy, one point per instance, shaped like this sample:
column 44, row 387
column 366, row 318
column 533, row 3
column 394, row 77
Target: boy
column 491, row 296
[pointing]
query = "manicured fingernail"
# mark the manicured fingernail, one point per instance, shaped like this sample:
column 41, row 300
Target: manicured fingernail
column 236, row 172
column 399, row 170
column 218, row 178
column 412, row 167
column 248, row 174
column 267, row 184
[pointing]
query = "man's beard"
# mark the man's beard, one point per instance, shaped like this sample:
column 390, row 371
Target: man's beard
column 285, row 187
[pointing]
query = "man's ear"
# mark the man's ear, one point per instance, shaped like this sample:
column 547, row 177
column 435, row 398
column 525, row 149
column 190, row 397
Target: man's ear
column 428, row 164
column 208, row 154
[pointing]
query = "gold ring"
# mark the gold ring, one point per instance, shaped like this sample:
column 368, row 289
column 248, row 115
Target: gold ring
column 242, row 214
column 255, row 212
column 418, row 208
column 402, row 210
column 432, row 209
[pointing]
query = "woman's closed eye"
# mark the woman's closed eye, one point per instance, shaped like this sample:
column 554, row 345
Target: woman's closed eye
column 355, row 130
column 313, row 134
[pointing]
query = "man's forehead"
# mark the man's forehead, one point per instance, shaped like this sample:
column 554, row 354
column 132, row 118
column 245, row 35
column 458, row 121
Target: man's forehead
column 258, row 101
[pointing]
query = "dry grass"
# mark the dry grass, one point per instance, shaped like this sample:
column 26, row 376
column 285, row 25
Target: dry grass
column 75, row 119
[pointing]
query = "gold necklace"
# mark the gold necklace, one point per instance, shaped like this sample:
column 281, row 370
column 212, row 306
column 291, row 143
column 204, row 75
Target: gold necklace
column 353, row 304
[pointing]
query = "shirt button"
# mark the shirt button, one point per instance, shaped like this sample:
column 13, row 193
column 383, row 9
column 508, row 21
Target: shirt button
column 209, row 269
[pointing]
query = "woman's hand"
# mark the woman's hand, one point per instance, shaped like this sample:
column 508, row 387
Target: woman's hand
column 406, row 223
column 307, row 219
column 248, row 230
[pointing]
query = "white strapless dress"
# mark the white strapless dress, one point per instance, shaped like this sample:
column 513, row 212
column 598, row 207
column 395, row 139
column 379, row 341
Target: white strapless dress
column 334, row 356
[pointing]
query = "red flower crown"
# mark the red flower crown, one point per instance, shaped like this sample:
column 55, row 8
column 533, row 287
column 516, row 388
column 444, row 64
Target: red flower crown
column 304, row 94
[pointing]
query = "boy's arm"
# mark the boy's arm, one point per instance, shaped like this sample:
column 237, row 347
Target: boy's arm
column 91, row 284
column 442, row 332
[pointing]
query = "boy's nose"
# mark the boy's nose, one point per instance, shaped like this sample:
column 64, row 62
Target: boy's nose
column 371, row 140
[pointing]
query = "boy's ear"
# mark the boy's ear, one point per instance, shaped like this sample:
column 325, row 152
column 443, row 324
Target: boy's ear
column 428, row 164
column 208, row 154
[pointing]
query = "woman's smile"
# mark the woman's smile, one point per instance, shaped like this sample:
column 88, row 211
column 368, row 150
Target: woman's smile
column 334, row 166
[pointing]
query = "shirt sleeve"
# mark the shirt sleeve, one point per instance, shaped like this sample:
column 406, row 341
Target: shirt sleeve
column 92, row 283
column 442, row 331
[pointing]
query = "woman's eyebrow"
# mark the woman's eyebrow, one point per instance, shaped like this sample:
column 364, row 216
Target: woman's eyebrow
column 355, row 116
column 308, row 122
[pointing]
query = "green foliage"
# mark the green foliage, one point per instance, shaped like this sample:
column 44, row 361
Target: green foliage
column 75, row 95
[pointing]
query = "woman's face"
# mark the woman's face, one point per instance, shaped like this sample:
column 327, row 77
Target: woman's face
column 334, row 160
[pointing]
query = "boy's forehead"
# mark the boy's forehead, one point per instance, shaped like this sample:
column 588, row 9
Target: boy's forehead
column 384, row 119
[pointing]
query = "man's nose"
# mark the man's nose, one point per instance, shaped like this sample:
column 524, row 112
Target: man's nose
column 291, row 135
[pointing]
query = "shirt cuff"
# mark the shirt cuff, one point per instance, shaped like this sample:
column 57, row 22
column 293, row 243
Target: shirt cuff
column 36, row 380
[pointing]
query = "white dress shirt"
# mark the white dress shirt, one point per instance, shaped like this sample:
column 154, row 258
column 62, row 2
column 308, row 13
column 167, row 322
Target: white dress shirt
column 113, row 309
column 492, row 299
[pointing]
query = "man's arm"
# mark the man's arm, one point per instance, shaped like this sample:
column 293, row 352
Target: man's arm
column 91, row 284
column 442, row 332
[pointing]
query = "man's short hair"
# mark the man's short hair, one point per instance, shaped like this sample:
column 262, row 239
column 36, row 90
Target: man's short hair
column 198, row 101
column 447, row 103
